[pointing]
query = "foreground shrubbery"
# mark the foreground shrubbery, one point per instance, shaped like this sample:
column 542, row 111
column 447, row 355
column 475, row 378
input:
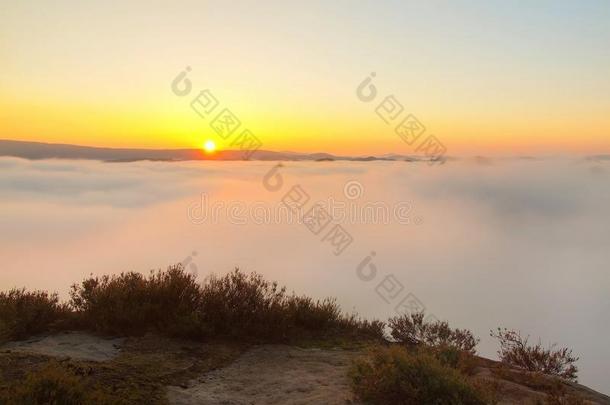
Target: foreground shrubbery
column 412, row 330
column 25, row 313
column 56, row 384
column 131, row 304
column 515, row 350
column 248, row 308
column 173, row 303
column 429, row 363
column 397, row 375
column 238, row 305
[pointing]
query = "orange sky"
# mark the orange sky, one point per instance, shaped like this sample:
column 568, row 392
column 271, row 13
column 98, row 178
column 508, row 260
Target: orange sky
column 482, row 78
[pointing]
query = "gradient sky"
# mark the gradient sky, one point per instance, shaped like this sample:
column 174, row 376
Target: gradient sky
column 485, row 77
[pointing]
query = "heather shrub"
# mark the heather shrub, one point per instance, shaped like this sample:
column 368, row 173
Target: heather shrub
column 397, row 375
column 247, row 306
column 374, row 329
column 451, row 356
column 243, row 305
column 309, row 314
column 412, row 330
column 237, row 305
column 131, row 303
column 24, row 313
column 515, row 350
column 53, row 385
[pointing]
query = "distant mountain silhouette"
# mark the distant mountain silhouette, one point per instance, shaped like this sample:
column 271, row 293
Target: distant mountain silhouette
column 39, row 150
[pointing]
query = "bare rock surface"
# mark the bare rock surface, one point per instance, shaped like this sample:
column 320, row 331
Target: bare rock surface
column 274, row 374
column 73, row 345
column 520, row 387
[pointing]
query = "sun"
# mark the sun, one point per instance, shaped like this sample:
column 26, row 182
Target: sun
column 209, row 146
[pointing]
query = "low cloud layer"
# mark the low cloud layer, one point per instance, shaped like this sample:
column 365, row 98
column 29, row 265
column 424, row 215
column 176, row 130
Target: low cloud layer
column 519, row 243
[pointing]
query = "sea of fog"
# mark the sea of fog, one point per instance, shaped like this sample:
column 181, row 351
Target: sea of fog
column 520, row 243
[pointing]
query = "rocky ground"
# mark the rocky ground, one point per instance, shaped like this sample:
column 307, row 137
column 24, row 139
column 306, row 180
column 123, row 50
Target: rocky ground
column 274, row 375
column 75, row 345
column 185, row 373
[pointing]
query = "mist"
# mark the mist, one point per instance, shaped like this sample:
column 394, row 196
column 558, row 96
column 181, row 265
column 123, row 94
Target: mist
column 482, row 243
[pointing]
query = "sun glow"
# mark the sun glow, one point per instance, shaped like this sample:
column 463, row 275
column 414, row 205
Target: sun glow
column 209, row 146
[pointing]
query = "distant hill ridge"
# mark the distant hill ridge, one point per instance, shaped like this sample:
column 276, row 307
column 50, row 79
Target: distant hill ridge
column 40, row 150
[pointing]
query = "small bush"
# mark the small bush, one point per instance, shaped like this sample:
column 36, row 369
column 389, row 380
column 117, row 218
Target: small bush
column 241, row 305
column 397, row 376
column 132, row 304
column 53, row 385
column 515, row 350
column 374, row 329
column 309, row 314
column 450, row 356
column 237, row 305
column 24, row 313
column 412, row 330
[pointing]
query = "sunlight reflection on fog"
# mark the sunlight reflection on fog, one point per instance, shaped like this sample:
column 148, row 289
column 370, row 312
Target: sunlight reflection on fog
column 516, row 243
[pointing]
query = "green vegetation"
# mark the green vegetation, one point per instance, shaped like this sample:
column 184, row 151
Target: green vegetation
column 173, row 303
column 224, row 314
column 54, row 384
column 132, row 304
column 139, row 375
column 178, row 328
column 429, row 363
column 235, row 306
column 397, row 375
column 412, row 330
column 23, row 313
